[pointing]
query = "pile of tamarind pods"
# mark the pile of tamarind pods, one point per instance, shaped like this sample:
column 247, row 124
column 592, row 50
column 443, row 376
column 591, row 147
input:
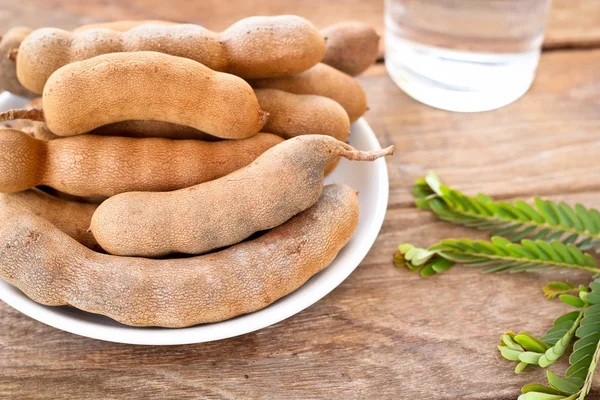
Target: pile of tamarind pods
column 153, row 139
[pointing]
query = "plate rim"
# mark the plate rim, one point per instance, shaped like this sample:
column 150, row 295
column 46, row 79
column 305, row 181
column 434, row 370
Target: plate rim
column 220, row 330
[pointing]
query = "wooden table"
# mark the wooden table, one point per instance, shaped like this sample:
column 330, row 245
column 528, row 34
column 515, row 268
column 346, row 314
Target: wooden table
column 384, row 333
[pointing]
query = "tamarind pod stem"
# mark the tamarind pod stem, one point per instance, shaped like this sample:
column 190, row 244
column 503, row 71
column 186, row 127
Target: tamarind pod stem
column 32, row 114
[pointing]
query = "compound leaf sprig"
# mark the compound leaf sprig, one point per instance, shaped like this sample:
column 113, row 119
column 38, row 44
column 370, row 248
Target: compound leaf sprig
column 497, row 255
column 544, row 220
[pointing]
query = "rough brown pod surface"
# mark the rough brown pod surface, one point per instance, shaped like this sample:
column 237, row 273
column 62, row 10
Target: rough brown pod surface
column 292, row 115
column 71, row 217
column 149, row 86
column 326, row 81
column 89, row 165
column 284, row 181
column 254, row 47
column 53, row 269
column 352, row 46
column 8, row 69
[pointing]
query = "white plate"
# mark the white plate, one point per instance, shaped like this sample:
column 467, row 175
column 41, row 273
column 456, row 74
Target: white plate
column 369, row 178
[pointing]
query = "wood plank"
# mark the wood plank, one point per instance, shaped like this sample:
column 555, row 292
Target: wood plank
column 384, row 333
column 571, row 22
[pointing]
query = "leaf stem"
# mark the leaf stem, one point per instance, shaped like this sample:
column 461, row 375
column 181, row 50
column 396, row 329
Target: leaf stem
column 505, row 220
column 590, row 375
column 448, row 254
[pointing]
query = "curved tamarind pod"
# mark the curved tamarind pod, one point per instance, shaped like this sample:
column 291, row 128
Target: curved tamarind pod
column 322, row 80
column 284, row 181
column 149, row 86
column 254, row 47
column 8, row 69
column 89, row 165
column 54, row 270
column 71, row 217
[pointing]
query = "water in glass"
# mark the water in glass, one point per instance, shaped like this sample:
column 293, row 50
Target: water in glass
column 464, row 55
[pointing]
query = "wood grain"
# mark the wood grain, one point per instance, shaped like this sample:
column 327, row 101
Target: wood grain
column 384, row 333
column 572, row 23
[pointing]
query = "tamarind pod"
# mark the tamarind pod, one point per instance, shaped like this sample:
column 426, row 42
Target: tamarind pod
column 54, row 270
column 70, row 217
column 8, row 69
column 285, row 180
column 322, row 80
column 253, row 47
column 352, row 46
column 89, row 165
column 149, row 86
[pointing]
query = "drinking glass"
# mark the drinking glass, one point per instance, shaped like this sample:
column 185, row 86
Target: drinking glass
column 464, row 55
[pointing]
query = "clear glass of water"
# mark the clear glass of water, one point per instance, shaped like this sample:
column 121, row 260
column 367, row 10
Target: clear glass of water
column 464, row 55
